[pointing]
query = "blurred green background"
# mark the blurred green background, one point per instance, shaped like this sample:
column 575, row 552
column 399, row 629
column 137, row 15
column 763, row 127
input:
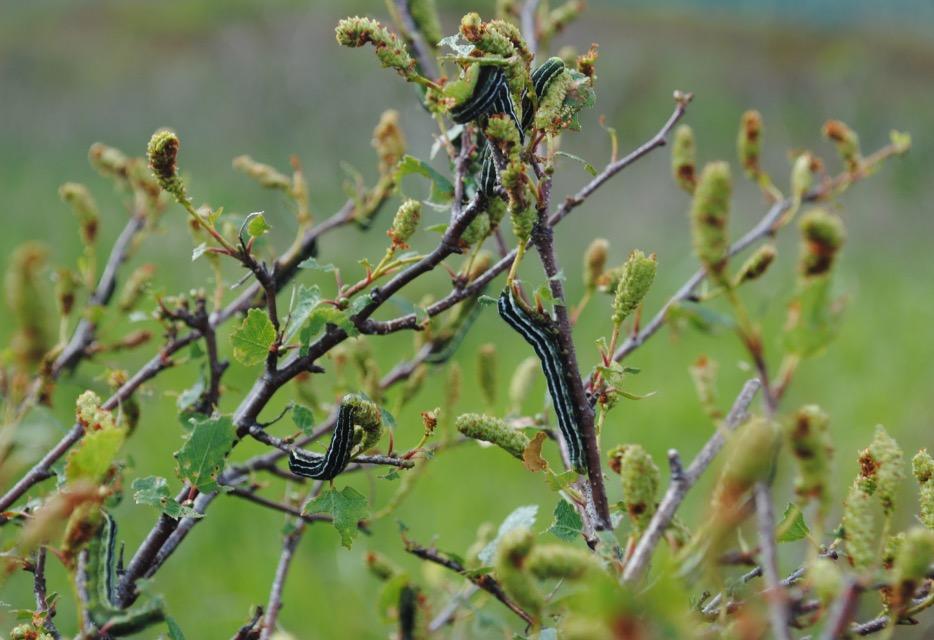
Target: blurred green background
column 267, row 78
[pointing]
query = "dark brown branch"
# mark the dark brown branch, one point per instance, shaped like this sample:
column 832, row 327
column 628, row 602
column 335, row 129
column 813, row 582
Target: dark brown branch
column 249, row 630
column 278, row 584
column 485, row 582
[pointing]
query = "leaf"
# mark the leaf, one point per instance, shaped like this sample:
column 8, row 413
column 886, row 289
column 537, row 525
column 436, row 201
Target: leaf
column 92, row 457
column 322, row 316
column 561, row 481
column 175, row 631
column 154, row 491
column 255, row 225
column 358, row 304
column 442, row 190
column 190, row 396
column 440, row 228
column 201, row 459
column 450, row 135
column 792, row 527
column 521, row 517
column 568, row 523
column 346, row 507
column 813, row 321
column 305, row 301
column 314, row 265
column 199, row 251
column 587, row 166
column 580, row 95
column 487, row 301
column 252, row 340
column 702, row 318
column 303, row 418
column 532, row 455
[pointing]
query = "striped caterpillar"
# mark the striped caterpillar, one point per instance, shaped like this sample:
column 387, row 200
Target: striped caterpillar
column 490, row 95
column 99, row 573
column 354, row 409
column 542, row 338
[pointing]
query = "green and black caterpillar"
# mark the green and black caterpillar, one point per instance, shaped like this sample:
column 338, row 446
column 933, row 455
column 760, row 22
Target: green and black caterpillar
column 544, row 341
column 359, row 427
column 98, row 574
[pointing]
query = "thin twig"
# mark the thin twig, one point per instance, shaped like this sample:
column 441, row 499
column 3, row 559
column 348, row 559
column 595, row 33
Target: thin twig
column 682, row 481
column 842, row 611
column 775, row 594
column 39, row 589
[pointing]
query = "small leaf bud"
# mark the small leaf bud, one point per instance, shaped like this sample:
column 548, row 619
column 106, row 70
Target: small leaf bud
column 846, row 141
column 756, row 265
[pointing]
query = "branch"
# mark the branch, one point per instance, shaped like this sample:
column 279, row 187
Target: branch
column 420, row 49
column 775, row 594
column 39, row 589
column 278, row 584
column 248, row 631
column 485, row 582
column 682, row 481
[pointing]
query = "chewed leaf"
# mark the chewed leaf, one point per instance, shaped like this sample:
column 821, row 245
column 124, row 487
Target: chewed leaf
column 532, row 456
column 201, row 459
column 304, row 303
column 154, row 491
column 93, row 456
column 568, row 523
column 792, row 527
column 252, row 340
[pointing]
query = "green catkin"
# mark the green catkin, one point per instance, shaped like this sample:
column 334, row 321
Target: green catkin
column 809, row 438
column 640, row 478
column 24, row 298
column 135, row 286
column 684, row 158
column 389, row 141
column 405, row 223
column 521, row 383
column 66, row 284
column 162, row 153
column 756, row 265
column 846, row 141
column 748, row 143
column 85, row 208
column 108, row 161
column 635, row 281
column 704, row 375
column 859, row 531
column 493, row 430
column 391, row 52
column 266, row 175
column 802, row 175
column 922, row 466
column 883, row 464
column 595, row 262
column 556, row 561
column 511, row 554
column 477, row 231
column 486, row 373
column 710, row 213
column 822, row 236
column 748, row 460
column 914, row 557
column 551, row 115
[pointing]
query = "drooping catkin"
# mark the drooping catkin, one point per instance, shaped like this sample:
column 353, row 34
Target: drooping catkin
column 922, row 466
column 882, row 468
column 635, row 281
column 405, row 223
column 809, row 438
column 749, row 142
column 486, row 373
column 390, row 50
column 859, row 530
column 683, row 158
column 756, row 265
column 846, row 141
column 822, row 236
column 710, row 214
column 595, row 262
column 640, row 478
column 493, row 430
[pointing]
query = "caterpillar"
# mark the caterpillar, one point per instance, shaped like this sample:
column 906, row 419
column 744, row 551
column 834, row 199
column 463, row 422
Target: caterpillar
column 99, row 573
column 541, row 78
column 543, row 340
column 491, row 95
column 354, row 409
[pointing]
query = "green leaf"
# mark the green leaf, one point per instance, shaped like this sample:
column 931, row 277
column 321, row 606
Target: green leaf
column 256, row 225
column 357, row 304
column 587, row 166
column 440, row 228
column 816, row 321
column 201, row 459
column 305, row 300
column 154, row 491
column 442, row 190
column 94, row 454
column 314, row 265
column 561, row 481
column 322, row 316
column 700, row 317
column 568, row 523
column 175, row 631
column 303, row 418
column 792, row 527
column 580, row 95
column 521, row 517
column 346, row 507
column 190, row 396
column 252, row 340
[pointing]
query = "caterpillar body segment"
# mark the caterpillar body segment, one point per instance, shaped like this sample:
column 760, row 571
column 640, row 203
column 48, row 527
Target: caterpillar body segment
column 544, row 342
column 335, row 460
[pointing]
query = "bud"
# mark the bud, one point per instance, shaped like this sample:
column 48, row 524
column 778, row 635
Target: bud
column 521, row 384
column 511, row 554
column 901, row 141
column 486, row 371
column 683, row 158
column 405, row 223
column 425, row 16
column 749, row 141
column 162, row 153
column 523, row 222
column 389, row 141
column 756, row 265
column 79, row 199
column 66, row 282
column 637, row 276
column 381, row 566
column 477, row 231
column 24, row 298
column 356, row 32
column 268, row 176
column 922, row 465
column 493, row 430
column 135, row 287
column 822, row 236
column 846, row 141
column 587, row 63
column 809, row 437
column 639, row 477
column 710, row 214
column 825, row 579
column 882, row 466
column 704, row 375
column 90, row 415
column 108, row 161
column 595, row 262
column 802, row 174
column 556, row 561
column 859, row 528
